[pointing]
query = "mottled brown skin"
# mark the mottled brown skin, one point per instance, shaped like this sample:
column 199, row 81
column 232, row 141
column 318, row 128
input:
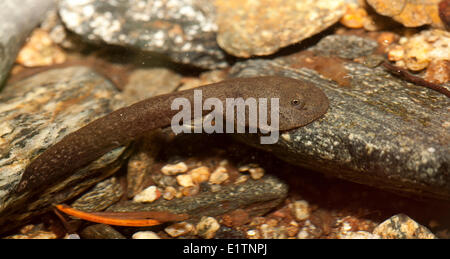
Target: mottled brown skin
column 300, row 103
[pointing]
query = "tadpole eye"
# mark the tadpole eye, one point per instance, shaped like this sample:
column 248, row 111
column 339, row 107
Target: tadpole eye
column 299, row 104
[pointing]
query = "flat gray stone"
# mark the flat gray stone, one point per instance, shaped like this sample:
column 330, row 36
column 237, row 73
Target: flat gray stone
column 256, row 196
column 379, row 130
column 17, row 19
column 38, row 112
column 184, row 30
column 100, row 197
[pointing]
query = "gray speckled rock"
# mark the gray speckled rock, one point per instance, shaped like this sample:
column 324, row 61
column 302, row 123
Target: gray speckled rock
column 17, row 19
column 185, row 30
column 255, row 196
column 101, row 231
column 100, row 197
column 379, row 129
column 37, row 112
column 348, row 46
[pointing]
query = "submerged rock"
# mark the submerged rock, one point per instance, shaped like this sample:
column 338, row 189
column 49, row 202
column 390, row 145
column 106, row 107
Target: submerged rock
column 379, row 130
column 36, row 113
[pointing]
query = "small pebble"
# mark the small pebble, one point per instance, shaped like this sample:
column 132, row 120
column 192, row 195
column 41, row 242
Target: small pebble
column 253, row 234
column 241, row 179
column 185, row 180
column 300, row 209
column 200, row 174
column 223, row 162
column 72, row 236
column 40, row 51
column 438, row 72
column 179, row 229
column 358, row 235
column 215, row 187
column 219, row 175
column 169, row 193
column 354, row 17
column 207, row 227
column 256, row 173
column 145, row 235
column 173, row 169
column 150, row 194
column 236, row 218
column 190, row 190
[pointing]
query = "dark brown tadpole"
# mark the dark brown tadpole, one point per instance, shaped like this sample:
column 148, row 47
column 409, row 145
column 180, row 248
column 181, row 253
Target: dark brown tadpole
column 88, row 143
column 404, row 74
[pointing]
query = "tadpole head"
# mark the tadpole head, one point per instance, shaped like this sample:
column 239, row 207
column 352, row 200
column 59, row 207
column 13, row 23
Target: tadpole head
column 300, row 103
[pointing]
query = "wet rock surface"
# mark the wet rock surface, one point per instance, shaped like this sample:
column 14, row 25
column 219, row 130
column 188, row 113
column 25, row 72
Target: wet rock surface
column 378, row 131
column 36, row 113
column 184, row 30
column 17, row 19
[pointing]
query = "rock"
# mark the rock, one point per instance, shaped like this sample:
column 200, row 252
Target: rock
column 301, row 209
column 145, row 235
column 379, row 130
column 207, row 227
column 444, row 13
column 256, row 172
column 100, row 197
column 359, row 235
column 205, row 78
column 40, row 50
column 169, row 193
column 17, row 19
column 438, row 72
column 179, row 229
column 185, row 180
column 348, row 47
column 101, row 231
column 141, row 162
column 402, row 227
column 184, row 30
column 419, row 50
column 256, row 197
column 150, row 194
column 144, row 83
column 219, row 175
column 408, row 12
column 36, row 113
column 33, row 232
column 173, row 169
column 199, row 174
column 248, row 28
